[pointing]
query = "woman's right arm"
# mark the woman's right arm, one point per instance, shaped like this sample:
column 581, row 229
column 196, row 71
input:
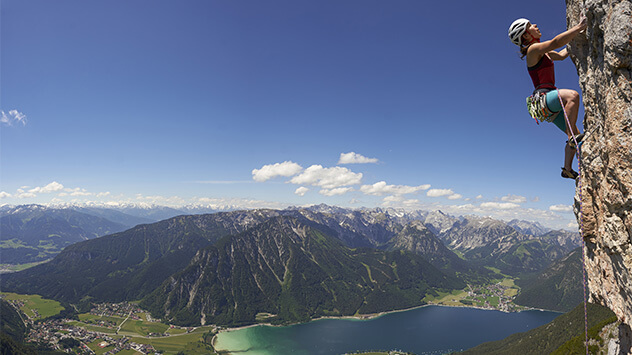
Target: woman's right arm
column 560, row 40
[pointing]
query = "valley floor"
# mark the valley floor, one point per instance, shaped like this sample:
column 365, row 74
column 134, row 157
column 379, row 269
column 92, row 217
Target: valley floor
column 126, row 329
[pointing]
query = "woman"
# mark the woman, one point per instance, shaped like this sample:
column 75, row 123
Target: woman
column 540, row 57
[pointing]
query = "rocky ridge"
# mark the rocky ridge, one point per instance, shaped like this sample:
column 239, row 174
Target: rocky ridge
column 603, row 202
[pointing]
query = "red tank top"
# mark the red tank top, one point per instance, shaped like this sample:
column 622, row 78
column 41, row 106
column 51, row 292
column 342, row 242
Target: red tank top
column 543, row 74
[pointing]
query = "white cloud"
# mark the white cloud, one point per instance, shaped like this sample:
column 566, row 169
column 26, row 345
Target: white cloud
column 4, row 194
column 411, row 202
column 103, row 194
column 13, row 116
column 78, row 192
column 479, row 197
column 389, row 199
column 455, row 197
column 439, row 192
column 335, row 192
column 399, row 202
column 236, row 203
column 327, row 178
column 161, row 200
column 561, row 208
column 572, row 224
column 267, row 172
column 354, row 158
column 381, row 188
column 514, row 199
column 52, row 187
column 499, row 205
column 301, row 191
column 21, row 194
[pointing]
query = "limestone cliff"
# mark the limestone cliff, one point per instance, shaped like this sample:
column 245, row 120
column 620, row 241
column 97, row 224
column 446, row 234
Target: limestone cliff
column 603, row 57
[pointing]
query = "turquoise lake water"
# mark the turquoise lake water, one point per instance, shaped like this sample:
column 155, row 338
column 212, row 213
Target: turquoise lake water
column 425, row 330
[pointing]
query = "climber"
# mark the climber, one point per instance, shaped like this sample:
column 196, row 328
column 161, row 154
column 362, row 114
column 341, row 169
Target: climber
column 540, row 57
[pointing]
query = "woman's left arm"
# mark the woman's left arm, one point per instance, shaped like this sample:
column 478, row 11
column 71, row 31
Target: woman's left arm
column 561, row 55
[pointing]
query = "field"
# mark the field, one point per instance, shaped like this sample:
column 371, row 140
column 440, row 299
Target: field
column 177, row 341
column 493, row 295
column 35, row 306
column 448, row 299
column 99, row 350
column 20, row 267
column 512, row 288
column 143, row 328
column 190, row 343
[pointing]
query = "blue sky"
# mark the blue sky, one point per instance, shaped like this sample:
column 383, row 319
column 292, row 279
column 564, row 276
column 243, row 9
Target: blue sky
column 274, row 103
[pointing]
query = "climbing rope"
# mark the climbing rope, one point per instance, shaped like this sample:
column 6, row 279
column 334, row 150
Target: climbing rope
column 581, row 218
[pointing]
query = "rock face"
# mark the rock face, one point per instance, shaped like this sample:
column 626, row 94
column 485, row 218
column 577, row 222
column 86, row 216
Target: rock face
column 603, row 57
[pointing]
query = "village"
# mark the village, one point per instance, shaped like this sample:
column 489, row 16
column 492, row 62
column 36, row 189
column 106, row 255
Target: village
column 98, row 332
column 54, row 332
column 498, row 296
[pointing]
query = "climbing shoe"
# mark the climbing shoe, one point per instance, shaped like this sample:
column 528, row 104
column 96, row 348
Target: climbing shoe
column 572, row 174
column 578, row 138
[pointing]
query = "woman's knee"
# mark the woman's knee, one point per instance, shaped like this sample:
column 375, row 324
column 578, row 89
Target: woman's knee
column 570, row 96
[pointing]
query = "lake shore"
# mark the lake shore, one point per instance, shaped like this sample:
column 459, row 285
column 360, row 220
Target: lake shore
column 362, row 317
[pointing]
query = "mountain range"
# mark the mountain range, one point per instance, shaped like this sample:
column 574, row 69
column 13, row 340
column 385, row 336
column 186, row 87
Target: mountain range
column 293, row 264
column 295, row 270
column 34, row 233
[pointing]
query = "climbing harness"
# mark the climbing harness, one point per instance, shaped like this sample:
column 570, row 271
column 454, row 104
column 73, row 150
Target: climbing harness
column 581, row 218
column 536, row 104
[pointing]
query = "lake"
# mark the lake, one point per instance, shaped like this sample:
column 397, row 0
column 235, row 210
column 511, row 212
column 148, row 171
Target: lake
column 424, row 330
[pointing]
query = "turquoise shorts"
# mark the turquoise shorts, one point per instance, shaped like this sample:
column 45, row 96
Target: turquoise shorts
column 553, row 103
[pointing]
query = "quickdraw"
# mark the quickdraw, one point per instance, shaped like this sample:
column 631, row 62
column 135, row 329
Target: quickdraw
column 536, row 104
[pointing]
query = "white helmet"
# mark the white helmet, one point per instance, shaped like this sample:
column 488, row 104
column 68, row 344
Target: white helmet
column 517, row 29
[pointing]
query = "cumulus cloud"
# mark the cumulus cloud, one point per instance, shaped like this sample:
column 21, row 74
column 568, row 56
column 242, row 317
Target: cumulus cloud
column 75, row 192
column 400, row 202
column 13, row 116
column 561, row 208
column 301, row 191
column 411, row 202
column 393, row 198
column 439, row 192
column 21, row 194
column 267, row 172
column 499, row 205
column 4, row 194
column 335, row 192
column 455, row 197
column 381, row 188
column 327, row 178
column 513, row 199
column 354, row 158
column 52, row 187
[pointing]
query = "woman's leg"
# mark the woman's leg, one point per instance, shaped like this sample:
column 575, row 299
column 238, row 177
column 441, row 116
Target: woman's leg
column 569, row 154
column 570, row 98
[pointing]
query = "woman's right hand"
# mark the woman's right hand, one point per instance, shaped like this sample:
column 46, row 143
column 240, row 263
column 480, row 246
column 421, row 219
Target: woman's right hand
column 583, row 22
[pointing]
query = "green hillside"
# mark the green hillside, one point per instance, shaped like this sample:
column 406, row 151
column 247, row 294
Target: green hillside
column 558, row 287
column 294, row 272
column 549, row 337
column 126, row 265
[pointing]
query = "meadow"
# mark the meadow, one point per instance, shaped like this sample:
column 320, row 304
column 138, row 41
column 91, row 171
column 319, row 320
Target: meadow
column 35, row 306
